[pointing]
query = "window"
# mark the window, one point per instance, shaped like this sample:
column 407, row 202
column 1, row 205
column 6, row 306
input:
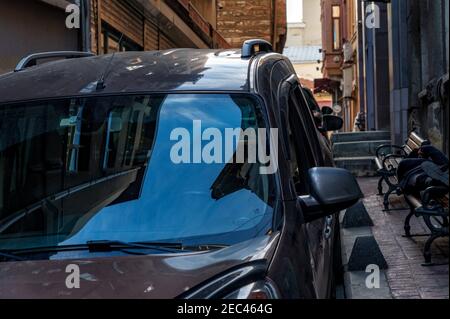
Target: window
column 336, row 27
column 308, row 123
column 302, row 158
column 111, row 39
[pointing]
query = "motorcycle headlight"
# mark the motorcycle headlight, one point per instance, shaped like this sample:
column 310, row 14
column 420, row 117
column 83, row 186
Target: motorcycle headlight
column 260, row 290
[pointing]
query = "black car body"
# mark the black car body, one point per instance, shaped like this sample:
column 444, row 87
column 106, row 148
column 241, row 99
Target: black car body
column 72, row 167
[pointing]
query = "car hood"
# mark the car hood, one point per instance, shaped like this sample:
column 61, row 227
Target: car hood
column 137, row 277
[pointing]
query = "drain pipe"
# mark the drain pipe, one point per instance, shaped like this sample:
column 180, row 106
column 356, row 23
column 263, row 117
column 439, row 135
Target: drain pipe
column 85, row 12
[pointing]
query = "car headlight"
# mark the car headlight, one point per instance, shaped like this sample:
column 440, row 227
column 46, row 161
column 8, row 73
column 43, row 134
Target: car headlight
column 219, row 288
column 260, row 290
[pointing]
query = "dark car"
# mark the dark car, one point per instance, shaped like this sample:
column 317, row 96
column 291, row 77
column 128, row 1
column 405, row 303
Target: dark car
column 96, row 180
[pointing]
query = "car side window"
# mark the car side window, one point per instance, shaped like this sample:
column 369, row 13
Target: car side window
column 308, row 124
column 302, row 158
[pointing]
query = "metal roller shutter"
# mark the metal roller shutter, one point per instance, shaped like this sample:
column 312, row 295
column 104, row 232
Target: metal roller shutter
column 124, row 19
column 165, row 43
column 150, row 36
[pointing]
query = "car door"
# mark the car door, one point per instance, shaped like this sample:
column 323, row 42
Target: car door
column 303, row 149
column 306, row 144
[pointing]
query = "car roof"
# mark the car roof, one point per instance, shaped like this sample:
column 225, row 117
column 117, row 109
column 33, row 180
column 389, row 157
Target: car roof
column 130, row 72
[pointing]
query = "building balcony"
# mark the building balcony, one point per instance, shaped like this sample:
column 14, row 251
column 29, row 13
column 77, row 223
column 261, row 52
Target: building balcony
column 332, row 64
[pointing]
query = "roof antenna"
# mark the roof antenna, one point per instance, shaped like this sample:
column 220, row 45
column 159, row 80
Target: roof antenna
column 101, row 82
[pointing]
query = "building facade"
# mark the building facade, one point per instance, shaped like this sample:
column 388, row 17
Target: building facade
column 304, row 40
column 389, row 59
column 375, row 65
column 29, row 26
column 356, row 61
column 304, row 44
column 151, row 25
column 333, row 18
column 304, row 26
column 419, row 68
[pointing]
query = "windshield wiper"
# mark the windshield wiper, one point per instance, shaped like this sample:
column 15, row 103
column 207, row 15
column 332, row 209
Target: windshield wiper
column 96, row 247
column 110, row 245
column 100, row 246
column 10, row 256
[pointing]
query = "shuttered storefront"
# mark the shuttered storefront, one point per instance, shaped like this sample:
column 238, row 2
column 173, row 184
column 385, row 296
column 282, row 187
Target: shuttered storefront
column 117, row 17
column 125, row 19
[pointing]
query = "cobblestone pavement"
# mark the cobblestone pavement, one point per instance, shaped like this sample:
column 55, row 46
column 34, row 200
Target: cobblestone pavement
column 406, row 276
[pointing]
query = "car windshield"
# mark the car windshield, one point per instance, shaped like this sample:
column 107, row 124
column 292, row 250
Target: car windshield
column 112, row 168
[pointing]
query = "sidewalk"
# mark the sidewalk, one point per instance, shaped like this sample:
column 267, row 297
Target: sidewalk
column 406, row 277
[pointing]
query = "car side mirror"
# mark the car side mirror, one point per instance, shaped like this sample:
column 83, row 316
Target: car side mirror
column 332, row 123
column 326, row 110
column 331, row 190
